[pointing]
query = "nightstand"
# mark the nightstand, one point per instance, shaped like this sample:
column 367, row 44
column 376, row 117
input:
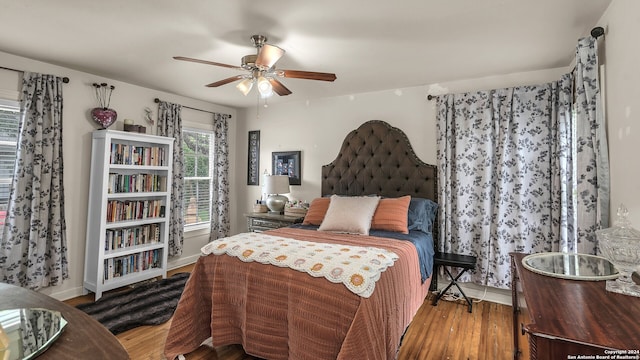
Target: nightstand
column 257, row 222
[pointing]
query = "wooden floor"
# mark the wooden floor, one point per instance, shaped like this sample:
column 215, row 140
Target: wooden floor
column 445, row 331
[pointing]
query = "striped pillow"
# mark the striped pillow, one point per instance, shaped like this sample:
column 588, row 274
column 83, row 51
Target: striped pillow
column 317, row 210
column 392, row 215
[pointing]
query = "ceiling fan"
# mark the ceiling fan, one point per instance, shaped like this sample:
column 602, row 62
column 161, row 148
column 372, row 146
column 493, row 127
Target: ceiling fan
column 260, row 70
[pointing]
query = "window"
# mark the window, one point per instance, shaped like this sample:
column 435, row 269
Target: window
column 9, row 123
column 197, row 146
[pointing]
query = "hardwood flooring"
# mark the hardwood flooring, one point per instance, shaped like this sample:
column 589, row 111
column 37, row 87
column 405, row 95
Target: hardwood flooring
column 445, row 331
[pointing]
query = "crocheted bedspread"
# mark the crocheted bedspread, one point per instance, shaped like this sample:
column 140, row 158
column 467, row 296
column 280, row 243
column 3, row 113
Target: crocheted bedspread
column 357, row 267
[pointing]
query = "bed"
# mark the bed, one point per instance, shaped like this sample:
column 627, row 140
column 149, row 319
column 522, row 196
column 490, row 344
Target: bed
column 280, row 312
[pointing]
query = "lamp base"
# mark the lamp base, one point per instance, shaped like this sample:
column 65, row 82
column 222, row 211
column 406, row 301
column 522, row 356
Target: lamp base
column 276, row 204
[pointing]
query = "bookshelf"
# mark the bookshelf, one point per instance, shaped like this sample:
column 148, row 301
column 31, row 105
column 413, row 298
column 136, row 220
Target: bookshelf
column 129, row 200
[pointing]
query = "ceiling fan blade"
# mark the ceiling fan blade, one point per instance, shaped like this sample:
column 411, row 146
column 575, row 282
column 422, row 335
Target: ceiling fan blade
column 206, row 62
column 279, row 88
column 309, row 75
column 268, row 56
column 225, row 81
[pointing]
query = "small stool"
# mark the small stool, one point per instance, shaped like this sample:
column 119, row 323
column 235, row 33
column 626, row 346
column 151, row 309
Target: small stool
column 466, row 262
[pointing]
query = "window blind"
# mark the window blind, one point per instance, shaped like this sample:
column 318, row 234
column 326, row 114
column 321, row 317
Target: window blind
column 198, row 166
column 9, row 127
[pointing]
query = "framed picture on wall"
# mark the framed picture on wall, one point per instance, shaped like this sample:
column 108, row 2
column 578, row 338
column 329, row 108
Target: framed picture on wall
column 253, row 166
column 287, row 163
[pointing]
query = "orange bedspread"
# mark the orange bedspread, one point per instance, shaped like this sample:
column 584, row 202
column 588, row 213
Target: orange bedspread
column 280, row 313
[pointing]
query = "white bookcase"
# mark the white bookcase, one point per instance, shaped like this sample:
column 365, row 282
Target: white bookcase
column 129, row 202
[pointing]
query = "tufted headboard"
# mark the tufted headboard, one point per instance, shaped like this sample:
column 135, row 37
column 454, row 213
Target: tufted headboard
column 377, row 158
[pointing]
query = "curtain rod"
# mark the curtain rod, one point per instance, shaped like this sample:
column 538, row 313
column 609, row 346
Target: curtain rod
column 156, row 100
column 64, row 79
column 596, row 32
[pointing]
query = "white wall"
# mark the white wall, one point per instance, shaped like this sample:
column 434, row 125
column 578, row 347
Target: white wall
column 318, row 127
column 129, row 101
column 622, row 90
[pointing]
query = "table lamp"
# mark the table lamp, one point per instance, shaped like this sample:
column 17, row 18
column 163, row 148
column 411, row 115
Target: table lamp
column 274, row 185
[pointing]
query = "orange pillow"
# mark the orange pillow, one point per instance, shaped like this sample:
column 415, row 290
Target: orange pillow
column 317, row 210
column 392, row 215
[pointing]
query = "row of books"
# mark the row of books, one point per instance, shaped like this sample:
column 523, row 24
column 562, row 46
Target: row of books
column 118, row 210
column 125, row 265
column 121, row 183
column 123, row 154
column 139, row 235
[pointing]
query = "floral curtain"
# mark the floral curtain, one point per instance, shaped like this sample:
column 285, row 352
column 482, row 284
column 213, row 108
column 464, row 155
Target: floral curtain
column 523, row 169
column 33, row 249
column 592, row 149
column 220, row 222
column 170, row 125
column 498, row 194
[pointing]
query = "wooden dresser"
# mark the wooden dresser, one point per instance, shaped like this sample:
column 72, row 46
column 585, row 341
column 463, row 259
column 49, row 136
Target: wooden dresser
column 567, row 318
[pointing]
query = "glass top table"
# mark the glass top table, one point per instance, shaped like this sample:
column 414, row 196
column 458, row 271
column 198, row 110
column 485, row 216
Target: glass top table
column 571, row 266
column 27, row 332
column 83, row 337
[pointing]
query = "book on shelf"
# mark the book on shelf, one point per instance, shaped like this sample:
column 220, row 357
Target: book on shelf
column 130, row 264
column 131, row 236
column 156, row 233
column 124, row 154
column 122, row 210
column 125, row 183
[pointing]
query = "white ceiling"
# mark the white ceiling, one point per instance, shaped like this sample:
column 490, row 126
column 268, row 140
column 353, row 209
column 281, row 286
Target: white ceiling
column 369, row 44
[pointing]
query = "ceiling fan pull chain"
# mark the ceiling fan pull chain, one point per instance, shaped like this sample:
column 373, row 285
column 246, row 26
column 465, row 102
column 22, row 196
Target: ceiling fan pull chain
column 257, row 105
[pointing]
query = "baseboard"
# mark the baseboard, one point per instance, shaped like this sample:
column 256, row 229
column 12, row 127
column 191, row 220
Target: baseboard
column 66, row 294
column 182, row 261
column 478, row 292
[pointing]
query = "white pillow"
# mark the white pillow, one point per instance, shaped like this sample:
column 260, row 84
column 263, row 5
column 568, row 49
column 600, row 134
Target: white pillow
column 350, row 214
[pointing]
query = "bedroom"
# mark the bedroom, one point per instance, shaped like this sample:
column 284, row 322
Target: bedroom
column 311, row 128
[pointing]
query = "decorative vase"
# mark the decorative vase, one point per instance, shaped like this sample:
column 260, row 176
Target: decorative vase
column 104, row 116
column 620, row 244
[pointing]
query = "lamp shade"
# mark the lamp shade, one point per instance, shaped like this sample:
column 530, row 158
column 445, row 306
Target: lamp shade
column 276, row 184
column 245, row 86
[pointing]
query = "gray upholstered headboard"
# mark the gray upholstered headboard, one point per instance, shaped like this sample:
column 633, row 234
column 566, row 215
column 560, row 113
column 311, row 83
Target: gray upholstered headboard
column 377, row 158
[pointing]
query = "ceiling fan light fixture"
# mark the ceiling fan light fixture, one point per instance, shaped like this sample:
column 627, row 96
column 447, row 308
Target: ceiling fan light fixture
column 260, row 69
column 245, row 86
column 264, row 87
